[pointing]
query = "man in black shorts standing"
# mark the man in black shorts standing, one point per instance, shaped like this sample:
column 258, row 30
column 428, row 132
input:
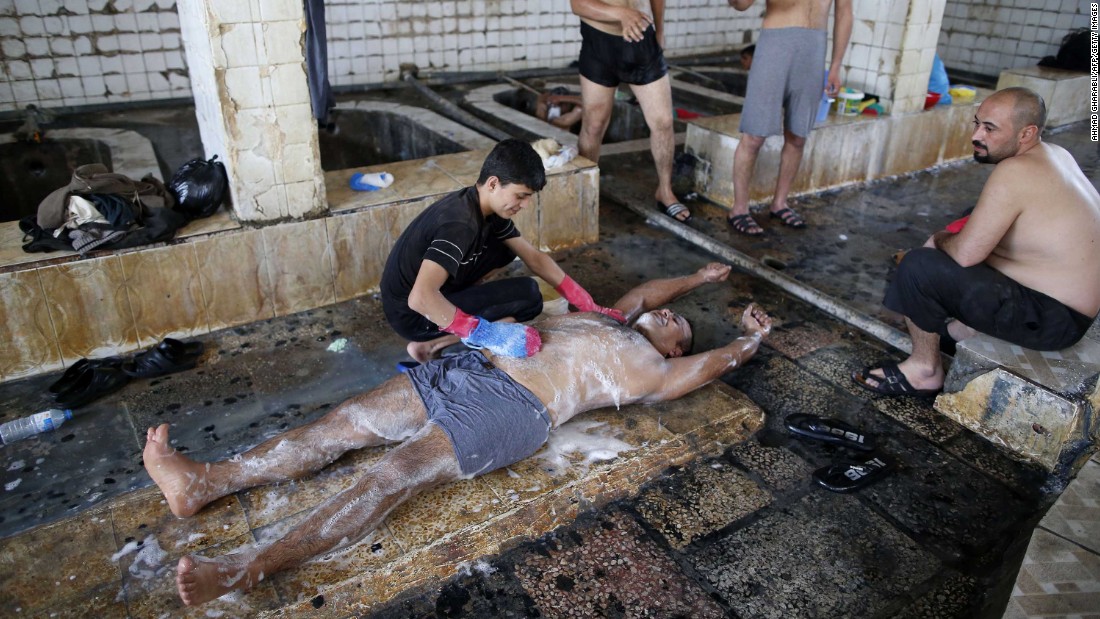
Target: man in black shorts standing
column 430, row 290
column 622, row 41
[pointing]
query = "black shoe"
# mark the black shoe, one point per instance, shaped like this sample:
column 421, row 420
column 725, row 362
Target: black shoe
column 73, row 375
column 165, row 358
column 92, row 384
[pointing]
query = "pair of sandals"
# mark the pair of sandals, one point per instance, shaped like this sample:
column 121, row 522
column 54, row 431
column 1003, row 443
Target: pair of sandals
column 850, row 474
column 90, row 379
column 745, row 224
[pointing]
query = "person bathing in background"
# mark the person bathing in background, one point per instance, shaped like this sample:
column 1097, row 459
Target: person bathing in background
column 1023, row 267
column 559, row 108
column 623, row 41
column 746, row 57
column 783, row 96
column 455, row 418
column 431, row 293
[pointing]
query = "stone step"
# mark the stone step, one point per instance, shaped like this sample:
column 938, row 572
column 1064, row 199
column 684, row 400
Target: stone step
column 1041, row 405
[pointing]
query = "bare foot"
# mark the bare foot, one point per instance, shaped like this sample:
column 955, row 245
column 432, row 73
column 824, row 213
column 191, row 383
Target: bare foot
column 181, row 479
column 199, row 580
column 423, row 352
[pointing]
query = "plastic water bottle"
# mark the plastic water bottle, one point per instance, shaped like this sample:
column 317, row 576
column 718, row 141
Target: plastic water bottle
column 45, row 421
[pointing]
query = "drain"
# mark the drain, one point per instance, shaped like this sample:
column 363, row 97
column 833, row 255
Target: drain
column 773, row 262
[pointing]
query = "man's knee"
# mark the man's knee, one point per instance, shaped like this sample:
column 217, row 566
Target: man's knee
column 922, row 261
column 751, row 143
column 595, row 117
column 924, row 271
column 793, row 140
column 660, row 122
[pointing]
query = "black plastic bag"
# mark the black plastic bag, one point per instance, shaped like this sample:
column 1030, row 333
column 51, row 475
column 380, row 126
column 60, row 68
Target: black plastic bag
column 1074, row 54
column 200, row 187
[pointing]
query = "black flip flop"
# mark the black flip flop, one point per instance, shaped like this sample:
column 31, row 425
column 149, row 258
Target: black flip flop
column 829, row 430
column 853, row 475
column 165, row 358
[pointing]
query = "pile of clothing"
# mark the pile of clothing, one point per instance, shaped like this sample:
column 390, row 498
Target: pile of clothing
column 99, row 209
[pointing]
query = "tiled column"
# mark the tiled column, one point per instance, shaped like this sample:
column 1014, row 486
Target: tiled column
column 247, row 64
column 890, row 55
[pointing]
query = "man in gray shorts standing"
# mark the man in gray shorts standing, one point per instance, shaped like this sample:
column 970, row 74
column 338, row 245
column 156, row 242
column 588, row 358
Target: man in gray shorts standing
column 454, row 418
column 783, row 96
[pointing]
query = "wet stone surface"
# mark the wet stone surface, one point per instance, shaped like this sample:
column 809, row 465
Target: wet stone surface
column 609, row 568
column 702, row 498
column 87, row 461
column 488, row 591
column 836, row 364
column 953, row 596
column 778, row 469
column 805, row 561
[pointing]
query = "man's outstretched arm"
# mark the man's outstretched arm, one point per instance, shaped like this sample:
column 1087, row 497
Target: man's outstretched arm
column 680, row 376
column 658, row 292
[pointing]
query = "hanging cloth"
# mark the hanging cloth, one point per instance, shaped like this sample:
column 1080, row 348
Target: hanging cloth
column 320, row 90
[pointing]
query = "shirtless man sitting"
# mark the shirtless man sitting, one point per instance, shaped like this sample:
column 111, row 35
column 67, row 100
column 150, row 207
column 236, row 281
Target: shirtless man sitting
column 455, row 418
column 1024, row 267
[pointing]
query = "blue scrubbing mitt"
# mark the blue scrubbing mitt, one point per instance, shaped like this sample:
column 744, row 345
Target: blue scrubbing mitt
column 504, row 338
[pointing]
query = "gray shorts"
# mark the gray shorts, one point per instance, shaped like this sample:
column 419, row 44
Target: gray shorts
column 788, row 73
column 492, row 420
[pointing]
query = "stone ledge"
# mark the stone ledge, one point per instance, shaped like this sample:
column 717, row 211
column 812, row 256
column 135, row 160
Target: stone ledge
column 840, row 151
column 1040, row 405
column 1066, row 92
column 219, row 274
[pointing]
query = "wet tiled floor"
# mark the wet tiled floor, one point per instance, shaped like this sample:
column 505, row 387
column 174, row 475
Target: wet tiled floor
column 713, row 513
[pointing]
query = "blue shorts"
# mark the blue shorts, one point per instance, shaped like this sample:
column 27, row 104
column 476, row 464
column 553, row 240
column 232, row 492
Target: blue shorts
column 491, row 420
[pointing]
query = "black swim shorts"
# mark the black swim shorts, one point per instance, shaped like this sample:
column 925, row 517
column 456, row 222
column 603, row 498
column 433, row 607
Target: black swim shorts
column 607, row 59
column 931, row 287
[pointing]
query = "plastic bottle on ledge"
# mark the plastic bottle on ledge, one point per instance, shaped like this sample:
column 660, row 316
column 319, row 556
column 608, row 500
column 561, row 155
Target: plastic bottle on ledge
column 45, row 421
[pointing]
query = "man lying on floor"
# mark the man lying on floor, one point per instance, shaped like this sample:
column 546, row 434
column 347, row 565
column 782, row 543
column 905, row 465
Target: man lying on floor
column 455, row 418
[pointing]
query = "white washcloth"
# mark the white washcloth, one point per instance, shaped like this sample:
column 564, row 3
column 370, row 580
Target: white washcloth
column 564, row 156
column 553, row 154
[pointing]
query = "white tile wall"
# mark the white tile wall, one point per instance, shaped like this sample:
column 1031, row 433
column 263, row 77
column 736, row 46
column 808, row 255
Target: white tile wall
column 48, row 58
column 134, row 47
column 988, row 36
